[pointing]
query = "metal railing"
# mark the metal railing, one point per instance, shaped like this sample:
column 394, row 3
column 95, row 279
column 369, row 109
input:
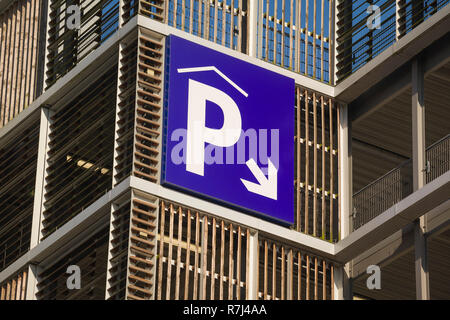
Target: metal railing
column 413, row 12
column 438, row 158
column 382, row 194
column 395, row 185
column 360, row 37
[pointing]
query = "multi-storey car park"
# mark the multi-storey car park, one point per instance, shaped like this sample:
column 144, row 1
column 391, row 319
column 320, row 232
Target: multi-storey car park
column 81, row 149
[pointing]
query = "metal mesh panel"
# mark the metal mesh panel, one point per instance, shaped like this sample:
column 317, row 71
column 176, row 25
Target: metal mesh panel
column 381, row 194
column 438, row 158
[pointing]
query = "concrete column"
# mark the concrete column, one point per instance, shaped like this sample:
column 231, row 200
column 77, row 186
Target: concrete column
column 252, row 27
column 345, row 172
column 342, row 285
column 253, row 267
column 418, row 124
column 344, row 290
column 418, row 157
column 39, row 189
column 421, row 260
column 31, row 282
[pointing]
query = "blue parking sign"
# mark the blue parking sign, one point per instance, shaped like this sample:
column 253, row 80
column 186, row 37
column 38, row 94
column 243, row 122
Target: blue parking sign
column 229, row 131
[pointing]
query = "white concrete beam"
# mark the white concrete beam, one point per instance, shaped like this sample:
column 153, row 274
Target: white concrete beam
column 312, row 244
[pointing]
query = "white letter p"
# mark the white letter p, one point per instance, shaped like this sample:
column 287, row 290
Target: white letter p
column 198, row 133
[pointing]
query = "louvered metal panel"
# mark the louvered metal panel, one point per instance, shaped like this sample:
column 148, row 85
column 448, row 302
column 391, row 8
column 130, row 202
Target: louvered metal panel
column 142, row 247
column 148, row 107
column 20, row 46
column 286, row 273
column 138, row 150
column 67, row 45
column 132, row 249
column 125, row 127
column 297, row 35
column 80, row 155
column 316, row 169
column 18, row 162
column 154, row 9
column 91, row 257
column 118, row 249
column 200, row 256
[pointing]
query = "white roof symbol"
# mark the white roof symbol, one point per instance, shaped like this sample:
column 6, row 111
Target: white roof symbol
column 212, row 68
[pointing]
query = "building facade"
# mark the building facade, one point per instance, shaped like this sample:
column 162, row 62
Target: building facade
column 83, row 90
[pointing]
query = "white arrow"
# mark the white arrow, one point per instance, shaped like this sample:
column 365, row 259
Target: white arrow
column 267, row 186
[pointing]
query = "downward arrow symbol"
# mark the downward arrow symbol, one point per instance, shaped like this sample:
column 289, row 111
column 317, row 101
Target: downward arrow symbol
column 267, row 186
